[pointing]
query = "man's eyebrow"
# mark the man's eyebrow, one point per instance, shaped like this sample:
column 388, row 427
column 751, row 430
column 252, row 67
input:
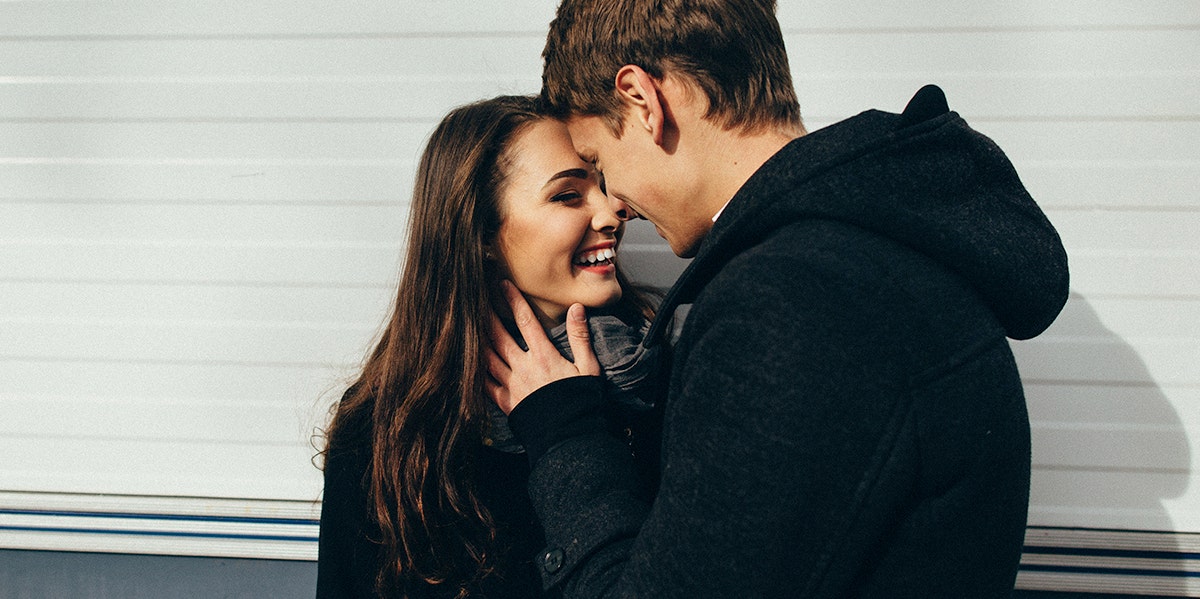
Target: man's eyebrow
column 576, row 173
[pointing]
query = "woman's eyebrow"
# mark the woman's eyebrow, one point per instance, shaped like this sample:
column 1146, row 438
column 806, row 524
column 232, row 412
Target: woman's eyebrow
column 577, row 173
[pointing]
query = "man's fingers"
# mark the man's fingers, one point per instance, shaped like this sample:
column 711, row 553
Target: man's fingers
column 580, row 340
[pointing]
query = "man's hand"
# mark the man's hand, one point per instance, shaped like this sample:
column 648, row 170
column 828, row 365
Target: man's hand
column 515, row 373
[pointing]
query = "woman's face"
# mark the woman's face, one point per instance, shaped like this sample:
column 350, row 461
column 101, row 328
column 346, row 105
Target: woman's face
column 558, row 234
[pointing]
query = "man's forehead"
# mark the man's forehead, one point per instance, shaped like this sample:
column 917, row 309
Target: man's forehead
column 587, row 133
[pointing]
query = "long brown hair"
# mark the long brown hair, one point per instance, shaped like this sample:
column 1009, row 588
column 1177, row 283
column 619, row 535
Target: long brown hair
column 420, row 397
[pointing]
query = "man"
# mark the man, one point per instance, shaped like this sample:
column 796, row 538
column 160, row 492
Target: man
column 844, row 417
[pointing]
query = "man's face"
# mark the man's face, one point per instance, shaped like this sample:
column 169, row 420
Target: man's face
column 644, row 180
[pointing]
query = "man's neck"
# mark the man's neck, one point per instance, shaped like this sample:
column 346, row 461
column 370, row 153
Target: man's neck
column 732, row 157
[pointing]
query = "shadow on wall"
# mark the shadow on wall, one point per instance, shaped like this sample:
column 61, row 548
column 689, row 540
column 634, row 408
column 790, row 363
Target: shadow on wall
column 1109, row 447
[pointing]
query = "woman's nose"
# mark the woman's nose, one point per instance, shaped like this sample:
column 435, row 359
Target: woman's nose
column 604, row 218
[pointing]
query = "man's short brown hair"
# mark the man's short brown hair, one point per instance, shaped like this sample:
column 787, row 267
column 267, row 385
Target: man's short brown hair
column 732, row 50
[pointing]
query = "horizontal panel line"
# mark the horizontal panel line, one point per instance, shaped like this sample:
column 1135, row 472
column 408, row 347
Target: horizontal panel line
column 1109, row 163
column 201, row 283
column 1077, row 295
column 1111, row 469
column 154, row 533
column 209, row 403
column 1123, row 553
column 1171, row 297
column 1113, row 571
column 177, row 243
column 1079, row 536
column 977, row 118
column 1106, row 338
column 300, row 325
column 1096, row 252
column 829, row 74
column 168, row 517
column 1148, row 385
column 1107, row 427
column 169, row 362
column 275, row 37
column 1036, row 163
column 392, row 78
column 539, row 33
column 192, row 202
column 951, row 30
column 123, row 498
column 246, row 162
column 175, row 440
column 222, row 120
column 433, row 119
column 1121, row 209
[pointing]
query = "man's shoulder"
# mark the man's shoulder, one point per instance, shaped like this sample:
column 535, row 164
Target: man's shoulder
column 817, row 269
column 803, row 245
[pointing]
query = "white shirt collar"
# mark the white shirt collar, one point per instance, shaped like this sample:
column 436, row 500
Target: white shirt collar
column 718, row 214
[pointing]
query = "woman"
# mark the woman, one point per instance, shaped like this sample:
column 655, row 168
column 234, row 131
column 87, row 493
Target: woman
column 424, row 486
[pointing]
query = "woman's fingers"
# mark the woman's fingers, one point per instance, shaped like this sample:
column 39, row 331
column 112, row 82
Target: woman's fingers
column 499, row 373
column 526, row 321
column 496, row 366
column 518, row 372
column 502, row 341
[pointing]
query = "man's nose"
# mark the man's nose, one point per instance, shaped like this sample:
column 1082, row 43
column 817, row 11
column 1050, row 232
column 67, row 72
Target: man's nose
column 624, row 211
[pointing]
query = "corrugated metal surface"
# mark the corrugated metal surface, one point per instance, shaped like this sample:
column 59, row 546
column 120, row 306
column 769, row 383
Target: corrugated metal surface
column 201, row 214
column 202, row 207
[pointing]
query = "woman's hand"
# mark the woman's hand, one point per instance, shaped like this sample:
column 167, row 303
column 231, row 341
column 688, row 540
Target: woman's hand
column 516, row 373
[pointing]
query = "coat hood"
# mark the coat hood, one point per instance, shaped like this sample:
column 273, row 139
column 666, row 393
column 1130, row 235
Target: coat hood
column 922, row 178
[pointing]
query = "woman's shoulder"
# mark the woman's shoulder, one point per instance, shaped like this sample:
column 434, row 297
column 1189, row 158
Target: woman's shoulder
column 351, row 426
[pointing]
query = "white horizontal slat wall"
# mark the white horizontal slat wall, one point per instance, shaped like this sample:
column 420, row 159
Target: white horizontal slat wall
column 1098, row 105
column 202, row 208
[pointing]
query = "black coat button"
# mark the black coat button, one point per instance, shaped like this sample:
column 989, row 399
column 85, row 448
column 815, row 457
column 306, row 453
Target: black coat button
column 552, row 561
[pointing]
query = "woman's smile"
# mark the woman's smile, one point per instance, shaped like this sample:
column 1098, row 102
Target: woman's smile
column 558, row 232
column 598, row 258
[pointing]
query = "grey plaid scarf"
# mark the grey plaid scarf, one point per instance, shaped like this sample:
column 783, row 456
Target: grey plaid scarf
column 630, row 369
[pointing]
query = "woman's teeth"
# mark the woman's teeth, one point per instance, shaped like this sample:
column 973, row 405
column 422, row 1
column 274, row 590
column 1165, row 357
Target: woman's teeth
column 596, row 257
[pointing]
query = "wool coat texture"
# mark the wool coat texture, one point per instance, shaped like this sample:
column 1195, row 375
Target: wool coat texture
column 844, row 415
column 350, row 552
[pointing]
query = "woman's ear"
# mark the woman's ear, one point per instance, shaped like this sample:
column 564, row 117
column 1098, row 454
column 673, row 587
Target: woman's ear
column 643, row 100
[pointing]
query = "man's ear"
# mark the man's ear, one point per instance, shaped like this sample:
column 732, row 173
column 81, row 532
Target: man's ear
column 643, row 100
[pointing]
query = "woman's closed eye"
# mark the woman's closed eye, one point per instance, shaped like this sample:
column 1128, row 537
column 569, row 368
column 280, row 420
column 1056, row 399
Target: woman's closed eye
column 566, row 197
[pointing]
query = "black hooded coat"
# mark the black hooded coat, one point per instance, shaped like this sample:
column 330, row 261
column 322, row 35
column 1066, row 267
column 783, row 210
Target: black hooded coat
column 845, row 417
